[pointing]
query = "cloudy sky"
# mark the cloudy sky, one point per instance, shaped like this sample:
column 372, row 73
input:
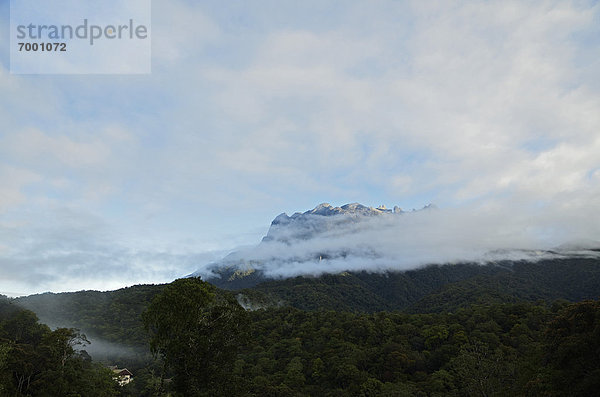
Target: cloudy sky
column 258, row 107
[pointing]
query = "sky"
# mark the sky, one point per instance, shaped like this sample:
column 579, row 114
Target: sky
column 254, row 108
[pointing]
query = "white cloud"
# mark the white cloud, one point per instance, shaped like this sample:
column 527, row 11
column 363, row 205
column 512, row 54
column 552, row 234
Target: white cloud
column 68, row 250
column 407, row 241
column 13, row 181
column 35, row 145
column 482, row 82
column 180, row 30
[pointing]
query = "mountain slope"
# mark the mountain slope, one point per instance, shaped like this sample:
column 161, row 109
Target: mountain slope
column 437, row 288
column 112, row 319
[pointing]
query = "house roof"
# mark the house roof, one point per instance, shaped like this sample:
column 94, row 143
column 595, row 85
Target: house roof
column 122, row 372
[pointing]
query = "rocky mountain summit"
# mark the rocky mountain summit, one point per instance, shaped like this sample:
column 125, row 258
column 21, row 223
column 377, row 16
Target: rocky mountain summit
column 324, row 217
column 308, row 230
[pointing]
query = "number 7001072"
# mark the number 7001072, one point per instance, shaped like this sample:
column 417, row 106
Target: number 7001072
column 47, row 47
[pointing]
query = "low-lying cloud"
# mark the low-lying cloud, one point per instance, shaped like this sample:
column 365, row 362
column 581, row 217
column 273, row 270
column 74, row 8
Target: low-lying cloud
column 412, row 239
column 72, row 251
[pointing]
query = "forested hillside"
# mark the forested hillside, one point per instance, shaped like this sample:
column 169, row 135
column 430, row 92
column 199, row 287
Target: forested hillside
column 436, row 288
column 442, row 330
column 37, row 361
column 491, row 350
column 115, row 314
column 112, row 315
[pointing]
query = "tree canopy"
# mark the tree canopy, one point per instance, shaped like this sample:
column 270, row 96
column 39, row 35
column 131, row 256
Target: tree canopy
column 197, row 334
column 35, row 361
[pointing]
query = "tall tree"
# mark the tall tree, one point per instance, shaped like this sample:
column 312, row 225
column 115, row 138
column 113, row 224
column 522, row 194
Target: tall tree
column 197, row 333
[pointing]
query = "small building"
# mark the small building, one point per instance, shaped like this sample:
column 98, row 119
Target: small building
column 121, row 376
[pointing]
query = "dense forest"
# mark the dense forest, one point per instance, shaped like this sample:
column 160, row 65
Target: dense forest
column 530, row 329
column 37, row 361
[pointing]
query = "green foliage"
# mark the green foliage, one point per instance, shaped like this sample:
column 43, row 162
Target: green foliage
column 111, row 315
column 435, row 288
column 476, row 350
column 573, row 349
column 504, row 329
column 196, row 333
column 35, row 361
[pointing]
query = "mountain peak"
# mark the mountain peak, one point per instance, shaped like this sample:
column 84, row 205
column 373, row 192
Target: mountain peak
column 306, row 237
column 324, row 209
column 304, row 225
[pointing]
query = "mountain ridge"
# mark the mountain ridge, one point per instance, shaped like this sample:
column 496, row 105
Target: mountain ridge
column 328, row 239
column 300, row 226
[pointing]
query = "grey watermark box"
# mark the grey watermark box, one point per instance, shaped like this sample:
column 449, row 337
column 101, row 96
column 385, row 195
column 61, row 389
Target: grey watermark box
column 80, row 37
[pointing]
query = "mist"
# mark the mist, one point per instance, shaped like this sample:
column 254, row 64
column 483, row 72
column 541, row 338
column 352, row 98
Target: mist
column 108, row 352
column 48, row 309
column 111, row 352
column 408, row 240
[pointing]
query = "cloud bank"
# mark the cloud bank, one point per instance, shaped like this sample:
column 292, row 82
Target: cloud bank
column 315, row 244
